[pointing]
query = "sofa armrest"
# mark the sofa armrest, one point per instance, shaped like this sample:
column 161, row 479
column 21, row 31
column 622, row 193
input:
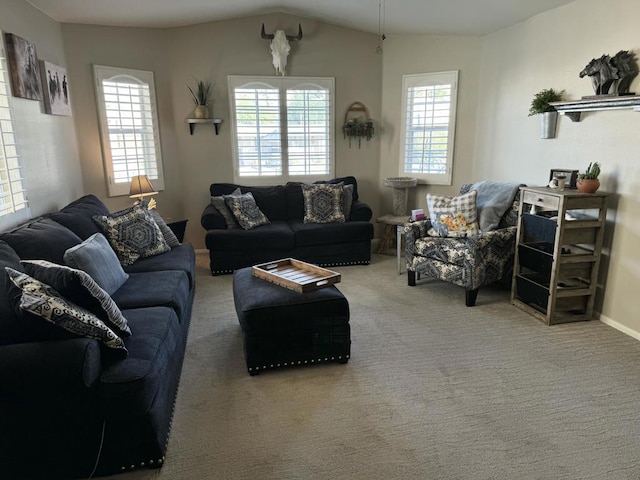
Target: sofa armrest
column 360, row 212
column 49, row 368
column 211, row 219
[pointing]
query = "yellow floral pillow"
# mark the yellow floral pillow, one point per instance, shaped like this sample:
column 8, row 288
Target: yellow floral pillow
column 453, row 216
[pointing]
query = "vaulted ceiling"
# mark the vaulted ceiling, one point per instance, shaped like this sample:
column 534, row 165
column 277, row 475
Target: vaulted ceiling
column 437, row 17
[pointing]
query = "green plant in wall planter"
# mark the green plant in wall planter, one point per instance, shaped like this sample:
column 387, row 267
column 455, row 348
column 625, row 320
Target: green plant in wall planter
column 201, row 98
column 541, row 105
column 354, row 128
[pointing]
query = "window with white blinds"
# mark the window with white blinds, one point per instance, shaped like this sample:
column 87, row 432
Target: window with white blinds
column 13, row 197
column 129, row 127
column 428, row 126
column 283, row 128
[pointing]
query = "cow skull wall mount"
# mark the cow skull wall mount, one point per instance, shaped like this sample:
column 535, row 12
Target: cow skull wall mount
column 280, row 47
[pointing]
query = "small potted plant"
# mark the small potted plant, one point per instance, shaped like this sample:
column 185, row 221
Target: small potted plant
column 541, row 105
column 202, row 98
column 354, row 128
column 588, row 180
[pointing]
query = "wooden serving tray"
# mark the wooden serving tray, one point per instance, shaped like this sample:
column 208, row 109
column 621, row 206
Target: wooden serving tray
column 296, row 275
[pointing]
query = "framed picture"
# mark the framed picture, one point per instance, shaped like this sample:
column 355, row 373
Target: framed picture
column 23, row 67
column 572, row 176
column 55, row 86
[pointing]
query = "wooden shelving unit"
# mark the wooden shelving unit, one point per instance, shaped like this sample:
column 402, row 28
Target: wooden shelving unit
column 559, row 241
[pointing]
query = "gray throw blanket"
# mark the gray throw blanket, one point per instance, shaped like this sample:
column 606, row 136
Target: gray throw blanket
column 493, row 200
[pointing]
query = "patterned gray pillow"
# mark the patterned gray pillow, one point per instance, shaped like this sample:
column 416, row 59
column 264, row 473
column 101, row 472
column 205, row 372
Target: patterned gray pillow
column 42, row 300
column 453, row 216
column 347, row 200
column 167, row 233
column 323, row 203
column 245, row 210
column 222, row 208
column 133, row 233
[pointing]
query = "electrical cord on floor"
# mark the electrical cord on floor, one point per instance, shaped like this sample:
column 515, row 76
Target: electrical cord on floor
column 104, row 424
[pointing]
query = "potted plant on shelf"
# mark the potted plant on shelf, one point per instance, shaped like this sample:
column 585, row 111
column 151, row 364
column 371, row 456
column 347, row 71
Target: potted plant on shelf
column 202, row 98
column 541, row 105
column 588, row 180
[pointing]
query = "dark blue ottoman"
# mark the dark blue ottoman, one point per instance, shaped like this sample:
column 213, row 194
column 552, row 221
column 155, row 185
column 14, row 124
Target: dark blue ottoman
column 283, row 328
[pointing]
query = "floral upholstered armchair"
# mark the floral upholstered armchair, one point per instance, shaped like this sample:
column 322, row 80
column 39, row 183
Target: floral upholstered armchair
column 483, row 257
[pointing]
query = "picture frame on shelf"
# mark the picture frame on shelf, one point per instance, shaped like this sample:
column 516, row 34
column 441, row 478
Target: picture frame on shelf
column 572, row 176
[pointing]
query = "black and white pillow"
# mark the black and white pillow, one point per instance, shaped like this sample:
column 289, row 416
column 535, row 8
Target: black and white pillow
column 323, row 203
column 223, row 209
column 133, row 234
column 43, row 301
column 245, row 210
column 79, row 288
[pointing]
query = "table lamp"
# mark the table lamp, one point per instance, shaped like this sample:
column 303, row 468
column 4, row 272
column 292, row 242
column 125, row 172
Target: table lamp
column 141, row 187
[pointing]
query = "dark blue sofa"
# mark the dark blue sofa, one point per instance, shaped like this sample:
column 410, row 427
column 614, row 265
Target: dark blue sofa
column 67, row 409
column 325, row 244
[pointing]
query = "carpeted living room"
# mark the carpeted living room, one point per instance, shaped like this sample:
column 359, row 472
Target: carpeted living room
column 462, row 363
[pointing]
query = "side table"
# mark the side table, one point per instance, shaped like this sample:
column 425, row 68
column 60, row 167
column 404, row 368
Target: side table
column 389, row 222
column 178, row 227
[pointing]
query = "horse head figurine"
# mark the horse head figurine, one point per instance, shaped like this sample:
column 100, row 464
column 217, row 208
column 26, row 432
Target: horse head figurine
column 602, row 72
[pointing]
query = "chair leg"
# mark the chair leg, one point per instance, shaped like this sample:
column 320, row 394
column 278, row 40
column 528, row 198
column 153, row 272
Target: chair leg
column 411, row 278
column 470, row 297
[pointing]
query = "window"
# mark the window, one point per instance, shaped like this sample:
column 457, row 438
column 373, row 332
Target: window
column 428, row 126
column 128, row 126
column 283, row 128
column 13, row 197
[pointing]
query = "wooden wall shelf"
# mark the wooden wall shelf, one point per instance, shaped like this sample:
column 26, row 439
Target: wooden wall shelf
column 195, row 121
column 574, row 109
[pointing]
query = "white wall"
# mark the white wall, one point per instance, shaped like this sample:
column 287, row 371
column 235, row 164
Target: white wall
column 48, row 148
column 215, row 50
column 550, row 50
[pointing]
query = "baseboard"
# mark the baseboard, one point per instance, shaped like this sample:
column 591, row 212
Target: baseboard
column 201, row 250
column 618, row 326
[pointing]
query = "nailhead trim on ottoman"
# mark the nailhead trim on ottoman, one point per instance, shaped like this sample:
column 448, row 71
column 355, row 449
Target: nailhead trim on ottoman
column 284, row 328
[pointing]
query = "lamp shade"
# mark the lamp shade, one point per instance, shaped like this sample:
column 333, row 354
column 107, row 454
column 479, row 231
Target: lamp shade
column 141, row 186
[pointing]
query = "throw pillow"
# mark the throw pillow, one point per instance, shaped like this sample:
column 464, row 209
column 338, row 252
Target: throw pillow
column 323, row 203
column 222, row 208
column 78, row 287
column 453, row 216
column 42, row 300
column 167, row 233
column 347, row 201
column 96, row 257
column 245, row 210
column 133, row 234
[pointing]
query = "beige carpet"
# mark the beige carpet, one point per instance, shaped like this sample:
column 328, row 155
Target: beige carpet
column 434, row 390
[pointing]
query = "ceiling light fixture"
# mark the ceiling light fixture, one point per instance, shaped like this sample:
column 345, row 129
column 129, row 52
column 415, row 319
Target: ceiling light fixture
column 381, row 19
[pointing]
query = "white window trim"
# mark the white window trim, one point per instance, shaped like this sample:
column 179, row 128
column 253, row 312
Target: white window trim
column 235, row 81
column 101, row 73
column 20, row 212
column 428, row 79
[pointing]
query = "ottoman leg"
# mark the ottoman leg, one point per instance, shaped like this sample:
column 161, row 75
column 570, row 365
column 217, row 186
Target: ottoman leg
column 343, row 360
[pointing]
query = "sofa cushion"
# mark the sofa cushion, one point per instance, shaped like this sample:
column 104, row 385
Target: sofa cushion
column 42, row 300
column 78, row 287
column 137, row 378
column 307, row 234
column 453, row 216
column 96, row 257
column 180, row 258
column 323, row 203
column 223, row 209
column 77, row 216
column 42, row 239
column 245, row 210
column 272, row 201
column 155, row 289
column 132, row 233
column 273, row 236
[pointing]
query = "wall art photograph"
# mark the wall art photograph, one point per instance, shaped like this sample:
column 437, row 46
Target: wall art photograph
column 55, row 86
column 23, row 67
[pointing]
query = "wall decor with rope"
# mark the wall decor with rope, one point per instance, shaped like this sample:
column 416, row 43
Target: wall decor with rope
column 357, row 123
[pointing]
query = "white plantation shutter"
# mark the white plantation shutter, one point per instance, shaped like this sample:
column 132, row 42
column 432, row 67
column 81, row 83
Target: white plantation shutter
column 129, row 127
column 428, row 128
column 13, row 197
column 283, row 128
